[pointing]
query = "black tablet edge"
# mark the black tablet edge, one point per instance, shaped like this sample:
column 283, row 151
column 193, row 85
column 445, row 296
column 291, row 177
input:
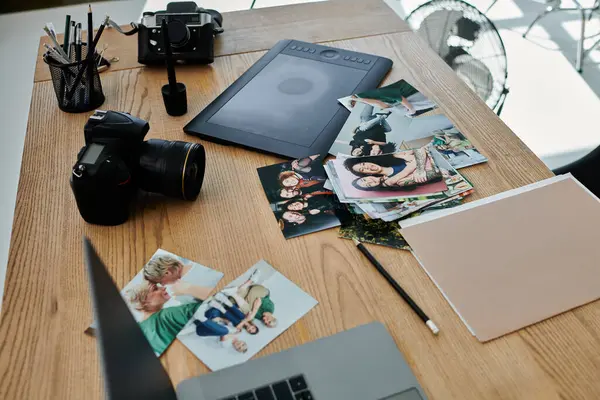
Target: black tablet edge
column 239, row 84
column 382, row 65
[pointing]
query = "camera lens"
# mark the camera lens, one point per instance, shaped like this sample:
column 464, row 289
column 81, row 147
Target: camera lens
column 175, row 169
column 179, row 34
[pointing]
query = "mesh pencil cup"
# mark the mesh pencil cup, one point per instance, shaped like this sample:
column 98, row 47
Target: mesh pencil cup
column 70, row 83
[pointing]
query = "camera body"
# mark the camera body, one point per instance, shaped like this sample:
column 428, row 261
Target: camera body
column 192, row 33
column 116, row 161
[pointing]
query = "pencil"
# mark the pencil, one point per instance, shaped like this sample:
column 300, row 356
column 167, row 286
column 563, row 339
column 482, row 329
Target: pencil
column 397, row 287
column 90, row 54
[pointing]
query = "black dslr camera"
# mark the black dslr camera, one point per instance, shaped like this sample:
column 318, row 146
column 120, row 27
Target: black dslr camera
column 192, row 33
column 116, row 160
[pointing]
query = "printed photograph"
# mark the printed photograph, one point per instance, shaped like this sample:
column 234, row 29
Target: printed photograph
column 165, row 294
column 452, row 145
column 376, row 127
column 455, row 182
column 396, row 210
column 371, row 131
column 237, row 322
column 299, row 196
column 400, row 97
column 403, row 174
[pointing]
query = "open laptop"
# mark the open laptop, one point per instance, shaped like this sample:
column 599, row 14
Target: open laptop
column 361, row 363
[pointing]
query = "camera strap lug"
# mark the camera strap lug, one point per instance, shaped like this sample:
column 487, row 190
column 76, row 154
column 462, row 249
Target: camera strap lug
column 78, row 170
column 120, row 30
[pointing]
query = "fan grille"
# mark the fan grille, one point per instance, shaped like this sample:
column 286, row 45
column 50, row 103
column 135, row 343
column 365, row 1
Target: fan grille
column 467, row 41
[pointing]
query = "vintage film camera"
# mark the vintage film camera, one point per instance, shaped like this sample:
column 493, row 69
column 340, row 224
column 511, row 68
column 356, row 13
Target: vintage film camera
column 116, row 161
column 192, row 33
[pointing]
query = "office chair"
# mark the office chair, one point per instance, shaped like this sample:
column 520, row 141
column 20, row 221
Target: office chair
column 586, row 170
column 469, row 43
column 585, row 13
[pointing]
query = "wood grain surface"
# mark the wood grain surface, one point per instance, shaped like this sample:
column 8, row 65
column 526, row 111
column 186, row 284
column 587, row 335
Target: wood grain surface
column 44, row 353
column 260, row 29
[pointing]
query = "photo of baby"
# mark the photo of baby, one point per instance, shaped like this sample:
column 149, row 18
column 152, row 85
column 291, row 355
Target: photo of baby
column 238, row 321
column 165, row 294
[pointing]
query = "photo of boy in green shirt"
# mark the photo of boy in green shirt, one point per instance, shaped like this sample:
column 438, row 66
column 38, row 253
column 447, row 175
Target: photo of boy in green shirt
column 160, row 325
column 165, row 294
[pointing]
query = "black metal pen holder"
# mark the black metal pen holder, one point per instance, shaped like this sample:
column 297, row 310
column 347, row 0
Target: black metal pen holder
column 71, row 82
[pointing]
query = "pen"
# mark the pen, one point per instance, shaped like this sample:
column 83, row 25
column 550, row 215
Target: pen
column 397, row 287
column 100, row 30
column 81, row 67
column 99, row 33
column 78, row 42
column 71, row 39
column 67, row 34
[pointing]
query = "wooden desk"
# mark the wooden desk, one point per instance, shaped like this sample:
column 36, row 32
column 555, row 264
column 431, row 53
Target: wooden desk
column 43, row 351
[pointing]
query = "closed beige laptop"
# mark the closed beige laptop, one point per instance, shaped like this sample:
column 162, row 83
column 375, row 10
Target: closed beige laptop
column 514, row 259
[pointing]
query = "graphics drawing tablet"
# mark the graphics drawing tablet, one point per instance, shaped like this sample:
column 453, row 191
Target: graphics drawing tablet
column 286, row 103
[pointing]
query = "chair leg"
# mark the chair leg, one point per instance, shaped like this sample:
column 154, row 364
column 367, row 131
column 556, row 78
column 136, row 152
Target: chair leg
column 547, row 11
column 580, row 52
column 490, row 6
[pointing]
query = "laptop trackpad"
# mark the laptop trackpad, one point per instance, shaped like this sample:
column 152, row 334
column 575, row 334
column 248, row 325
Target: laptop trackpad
column 410, row 394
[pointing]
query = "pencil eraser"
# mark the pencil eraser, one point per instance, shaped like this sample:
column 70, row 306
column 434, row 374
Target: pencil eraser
column 432, row 327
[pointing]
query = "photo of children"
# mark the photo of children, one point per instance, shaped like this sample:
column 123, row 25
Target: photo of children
column 381, row 122
column 298, row 197
column 165, row 294
column 237, row 322
column 403, row 174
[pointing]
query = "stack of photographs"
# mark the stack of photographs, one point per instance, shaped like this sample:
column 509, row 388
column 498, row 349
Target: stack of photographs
column 396, row 156
column 399, row 117
column 389, row 187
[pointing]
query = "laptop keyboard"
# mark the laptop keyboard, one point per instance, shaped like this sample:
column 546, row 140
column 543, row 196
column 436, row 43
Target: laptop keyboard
column 294, row 388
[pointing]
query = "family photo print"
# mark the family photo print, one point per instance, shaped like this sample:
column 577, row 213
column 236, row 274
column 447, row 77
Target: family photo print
column 237, row 322
column 165, row 294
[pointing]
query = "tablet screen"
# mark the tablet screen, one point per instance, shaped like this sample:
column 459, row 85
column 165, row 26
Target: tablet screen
column 291, row 99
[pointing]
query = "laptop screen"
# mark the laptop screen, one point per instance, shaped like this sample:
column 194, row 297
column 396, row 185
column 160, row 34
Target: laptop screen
column 131, row 370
